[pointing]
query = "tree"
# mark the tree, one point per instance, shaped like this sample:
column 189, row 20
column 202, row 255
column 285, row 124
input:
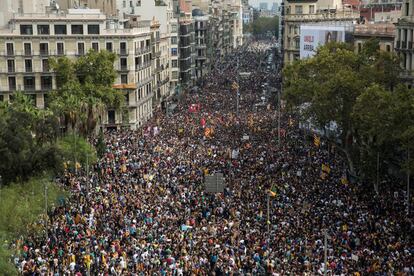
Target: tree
column 263, row 25
column 25, row 140
column 83, row 91
column 372, row 116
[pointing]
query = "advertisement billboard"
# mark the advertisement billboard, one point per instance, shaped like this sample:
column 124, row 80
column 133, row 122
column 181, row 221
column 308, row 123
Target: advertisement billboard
column 311, row 37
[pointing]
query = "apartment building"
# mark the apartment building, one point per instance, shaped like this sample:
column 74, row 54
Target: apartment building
column 202, row 43
column 160, row 11
column 31, row 39
column 186, row 43
column 384, row 32
column 404, row 41
column 297, row 13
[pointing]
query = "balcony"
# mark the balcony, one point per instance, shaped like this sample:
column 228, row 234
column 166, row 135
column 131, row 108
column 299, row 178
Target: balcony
column 142, row 65
column 46, row 87
column 123, row 67
column 398, row 44
column 29, row 69
column 410, row 45
column 9, row 53
column 140, row 51
column 29, row 87
column 28, row 53
column 44, row 52
column 11, row 70
column 12, row 87
column 404, row 44
column 157, row 54
column 123, row 52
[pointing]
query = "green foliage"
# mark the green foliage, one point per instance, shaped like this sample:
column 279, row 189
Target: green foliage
column 21, row 207
column 100, row 145
column 26, row 147
column 74, row 148
column 263, row 25
column 360, row 93
column 84, row 91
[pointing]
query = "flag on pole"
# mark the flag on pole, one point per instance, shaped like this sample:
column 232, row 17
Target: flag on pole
column 316, row 140
column 273, row 191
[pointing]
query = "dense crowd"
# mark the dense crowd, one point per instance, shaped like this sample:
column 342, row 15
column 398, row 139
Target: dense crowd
column 143, row 210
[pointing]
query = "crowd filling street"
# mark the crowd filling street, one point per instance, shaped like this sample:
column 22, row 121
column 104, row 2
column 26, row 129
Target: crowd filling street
column 143, row 209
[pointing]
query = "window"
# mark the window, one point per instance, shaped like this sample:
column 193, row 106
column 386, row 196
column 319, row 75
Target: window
column 388, row 48
column 10, row 66
column 93, row 29
column 111, row 116
column 174, row 51
column 77, row 29
column 10, row 49
column 139, row 3
column 174, row 40
column 43, row 29
column 1, row 98
column 124, row 4
column 12, row 83
column 407, row 9
column 27, row 49
column 124, row 78
column 174, row 63
column 109, row 46
column 44, row 49
column 45, row 65
column 123, row 48
column 95, row 46
column 124, row 64
column 311, row 9
column 297, row 43
column 125, row 112
column 46, row 82
column 28, row 65
column 26, row 29
column 298, row 9
column 359, row 47
column 131, row 5
column 60, row 29
column 81, row 48
column 174, row 28
column 60, row 48
column 29, row 83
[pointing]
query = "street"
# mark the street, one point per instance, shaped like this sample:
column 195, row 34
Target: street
column 143, row 208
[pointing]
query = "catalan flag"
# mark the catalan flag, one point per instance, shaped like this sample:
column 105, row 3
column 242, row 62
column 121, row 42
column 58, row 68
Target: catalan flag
column 273, row 191
column 235, row 86
column 326, row 168
column 316, row 140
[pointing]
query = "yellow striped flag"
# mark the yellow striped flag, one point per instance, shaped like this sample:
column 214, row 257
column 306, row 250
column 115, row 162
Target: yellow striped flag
column 316, row 140
column 326, row 168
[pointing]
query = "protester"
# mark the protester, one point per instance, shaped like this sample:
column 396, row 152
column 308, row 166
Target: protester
column 143, row 210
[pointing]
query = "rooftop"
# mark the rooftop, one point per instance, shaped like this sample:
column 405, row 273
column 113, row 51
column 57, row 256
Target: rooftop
column 377, row 29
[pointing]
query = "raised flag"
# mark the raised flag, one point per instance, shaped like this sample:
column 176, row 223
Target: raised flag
column 316, row 140
column 326, row 168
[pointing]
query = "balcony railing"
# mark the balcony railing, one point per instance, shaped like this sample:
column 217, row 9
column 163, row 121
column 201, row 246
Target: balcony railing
column 12, row 87
column 28, row 53
column 46, row 87
column 29, row 87
column 29, row 69
column 123, row 52
column 10, row 53
column 123, row 67
column 142, row 65
column 140, row 51
column 44, row 52
column 10, row 69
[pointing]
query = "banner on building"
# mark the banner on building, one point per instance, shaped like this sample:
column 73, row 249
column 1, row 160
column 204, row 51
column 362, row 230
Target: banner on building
column 313, row 36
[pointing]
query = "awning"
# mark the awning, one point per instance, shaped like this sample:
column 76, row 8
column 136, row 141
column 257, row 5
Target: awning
column 125, row 86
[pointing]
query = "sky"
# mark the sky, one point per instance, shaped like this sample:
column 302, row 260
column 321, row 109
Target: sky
column 255, row 3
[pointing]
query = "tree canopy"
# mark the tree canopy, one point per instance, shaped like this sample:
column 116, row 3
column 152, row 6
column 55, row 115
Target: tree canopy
column 263, row 25
column 362, row 94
